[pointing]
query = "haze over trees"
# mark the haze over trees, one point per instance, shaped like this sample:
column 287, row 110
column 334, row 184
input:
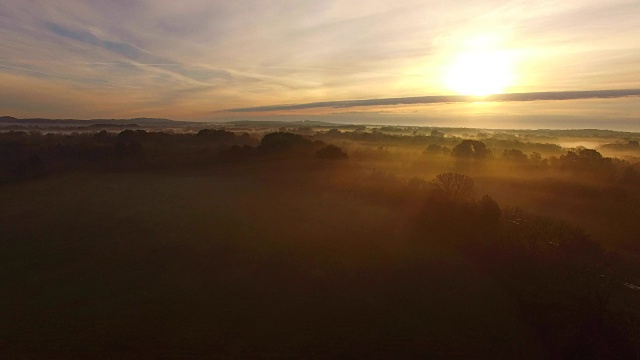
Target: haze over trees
column 286, row 240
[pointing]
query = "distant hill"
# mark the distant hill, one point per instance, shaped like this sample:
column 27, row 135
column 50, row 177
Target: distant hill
column 94, row 122
column 275, row 123
column 114, row 126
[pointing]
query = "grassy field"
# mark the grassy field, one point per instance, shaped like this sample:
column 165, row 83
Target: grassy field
column 152, row 266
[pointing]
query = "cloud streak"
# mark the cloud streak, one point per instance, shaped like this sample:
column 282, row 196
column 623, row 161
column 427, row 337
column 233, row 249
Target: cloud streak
column 447, row 99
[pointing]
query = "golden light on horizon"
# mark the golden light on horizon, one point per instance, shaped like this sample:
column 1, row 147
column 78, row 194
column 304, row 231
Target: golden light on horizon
column 480, row 69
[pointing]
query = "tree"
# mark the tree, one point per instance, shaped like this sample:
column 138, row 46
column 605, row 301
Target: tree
column 282, row 141
column 331, row 152
column 586, row 159
column 433, row 149
column 436, row 133
column 536, row 157
column 130, row 135
column 456, row 186
column 471, row 149
column 514, row 155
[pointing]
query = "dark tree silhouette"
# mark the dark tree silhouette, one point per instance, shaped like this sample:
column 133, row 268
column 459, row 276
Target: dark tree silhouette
column 456, row 186
column 331, row 152
column 587, row 160
column 514, row 155
column 131, row 135
column 471, row 149
column 282, row 141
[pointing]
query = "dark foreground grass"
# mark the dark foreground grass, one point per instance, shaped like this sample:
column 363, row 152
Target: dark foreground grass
column 166, row 266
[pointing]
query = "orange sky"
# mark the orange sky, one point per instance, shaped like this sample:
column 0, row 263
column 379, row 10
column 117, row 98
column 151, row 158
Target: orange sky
column 193, row 59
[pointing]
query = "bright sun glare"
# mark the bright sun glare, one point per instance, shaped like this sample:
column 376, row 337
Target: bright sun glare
column 480, row 70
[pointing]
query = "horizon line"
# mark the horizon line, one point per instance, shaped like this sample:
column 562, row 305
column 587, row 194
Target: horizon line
column 443, row 99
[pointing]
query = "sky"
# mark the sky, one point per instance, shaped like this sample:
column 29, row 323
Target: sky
column 199, row 59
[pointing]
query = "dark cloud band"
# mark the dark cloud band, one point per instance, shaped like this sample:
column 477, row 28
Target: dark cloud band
column 532, row 96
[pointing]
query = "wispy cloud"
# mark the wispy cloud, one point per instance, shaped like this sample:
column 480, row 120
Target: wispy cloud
column 196, row 56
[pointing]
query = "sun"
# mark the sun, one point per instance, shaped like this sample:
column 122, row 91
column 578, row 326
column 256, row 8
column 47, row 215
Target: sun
column 480, row 73
column 480, row 66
